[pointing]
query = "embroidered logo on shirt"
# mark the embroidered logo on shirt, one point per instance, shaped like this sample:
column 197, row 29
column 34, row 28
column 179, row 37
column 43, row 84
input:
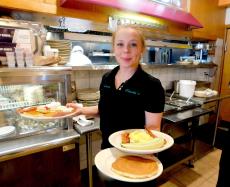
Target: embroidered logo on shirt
column 107, row 86
column 134, row 92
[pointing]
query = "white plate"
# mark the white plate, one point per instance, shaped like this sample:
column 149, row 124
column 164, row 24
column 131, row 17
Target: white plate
column 104, row 159
column 115, row 140
column 6, row 130
column 45, row 118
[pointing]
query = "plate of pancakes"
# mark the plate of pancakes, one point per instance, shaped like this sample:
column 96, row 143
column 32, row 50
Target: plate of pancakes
column 141, row 141
column 128, row 167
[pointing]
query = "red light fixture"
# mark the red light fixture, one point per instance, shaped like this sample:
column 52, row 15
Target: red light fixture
column 144, row 7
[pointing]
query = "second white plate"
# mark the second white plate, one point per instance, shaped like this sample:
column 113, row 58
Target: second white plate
column 115, row 140
column 6, row 130
column 105, row 158
column 47, row 118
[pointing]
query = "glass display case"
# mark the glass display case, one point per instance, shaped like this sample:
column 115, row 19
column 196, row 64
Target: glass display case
column 28, row 87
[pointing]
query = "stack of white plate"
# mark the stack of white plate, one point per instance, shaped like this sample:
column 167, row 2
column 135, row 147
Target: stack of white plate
column 6, row 130
column 205, row 93
column 64, row 48
column 88, row 97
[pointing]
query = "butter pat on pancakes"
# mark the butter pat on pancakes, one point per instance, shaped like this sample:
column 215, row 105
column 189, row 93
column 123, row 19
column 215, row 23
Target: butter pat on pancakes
column 135, row 167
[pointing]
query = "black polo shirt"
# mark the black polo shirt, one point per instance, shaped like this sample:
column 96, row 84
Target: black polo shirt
column 124, row 108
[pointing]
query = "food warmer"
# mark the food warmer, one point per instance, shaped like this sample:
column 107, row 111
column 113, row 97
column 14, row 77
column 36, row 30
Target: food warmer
column 46, row 145
column 23, row 88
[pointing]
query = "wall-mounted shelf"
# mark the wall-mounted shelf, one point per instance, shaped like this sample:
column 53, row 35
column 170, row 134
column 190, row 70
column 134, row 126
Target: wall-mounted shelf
column 145, row 66
column 20, row 24
column 108, row 39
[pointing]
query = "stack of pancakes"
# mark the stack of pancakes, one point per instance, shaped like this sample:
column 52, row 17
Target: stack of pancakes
column 135, row 167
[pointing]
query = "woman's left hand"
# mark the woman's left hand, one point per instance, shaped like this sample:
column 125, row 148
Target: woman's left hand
column 78, row 107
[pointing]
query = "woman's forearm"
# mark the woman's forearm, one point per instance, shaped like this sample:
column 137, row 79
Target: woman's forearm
column 90, row 111
column 153, row 120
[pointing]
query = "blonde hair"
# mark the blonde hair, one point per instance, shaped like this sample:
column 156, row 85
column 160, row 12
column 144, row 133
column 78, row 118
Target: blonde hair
column 138, row 31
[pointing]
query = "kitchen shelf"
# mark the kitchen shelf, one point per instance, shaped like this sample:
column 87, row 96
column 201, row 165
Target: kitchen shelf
column 108, row 66
column 17, row 104
column 108, row 39
column 208, row 65
column 21, row 24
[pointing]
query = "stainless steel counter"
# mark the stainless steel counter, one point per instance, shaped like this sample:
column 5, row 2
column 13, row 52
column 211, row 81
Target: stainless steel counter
column 24, row 146
column 186, row 115
column 35, row 68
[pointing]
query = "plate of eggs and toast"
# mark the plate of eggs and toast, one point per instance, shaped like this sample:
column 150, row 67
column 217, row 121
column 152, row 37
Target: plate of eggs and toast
column 141, row 141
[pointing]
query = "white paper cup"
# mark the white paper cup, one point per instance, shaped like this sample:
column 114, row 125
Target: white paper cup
column 10, row 59
column 29, row 62
column 11, row 63
column 21, row 63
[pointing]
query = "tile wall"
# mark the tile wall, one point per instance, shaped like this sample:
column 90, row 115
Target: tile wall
column 92, row 78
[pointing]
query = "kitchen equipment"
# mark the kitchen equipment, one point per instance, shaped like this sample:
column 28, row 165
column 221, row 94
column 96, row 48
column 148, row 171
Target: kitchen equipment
column 182, row 104
column 201, row 52
column 199, row 84
column 149, row 56
column 187, row 88
column 176, row 86
column 25, row 88
column 163, row 56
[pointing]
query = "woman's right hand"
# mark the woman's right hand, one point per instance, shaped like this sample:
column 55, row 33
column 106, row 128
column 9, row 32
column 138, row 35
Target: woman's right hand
column 77, row 106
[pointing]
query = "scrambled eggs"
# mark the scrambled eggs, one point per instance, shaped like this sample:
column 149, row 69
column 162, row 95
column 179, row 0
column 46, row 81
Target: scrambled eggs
column 139, row 137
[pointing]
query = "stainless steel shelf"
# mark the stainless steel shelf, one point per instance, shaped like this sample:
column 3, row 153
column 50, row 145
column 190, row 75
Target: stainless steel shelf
column 147, row 66
column 17, row 104
column 20, row 24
